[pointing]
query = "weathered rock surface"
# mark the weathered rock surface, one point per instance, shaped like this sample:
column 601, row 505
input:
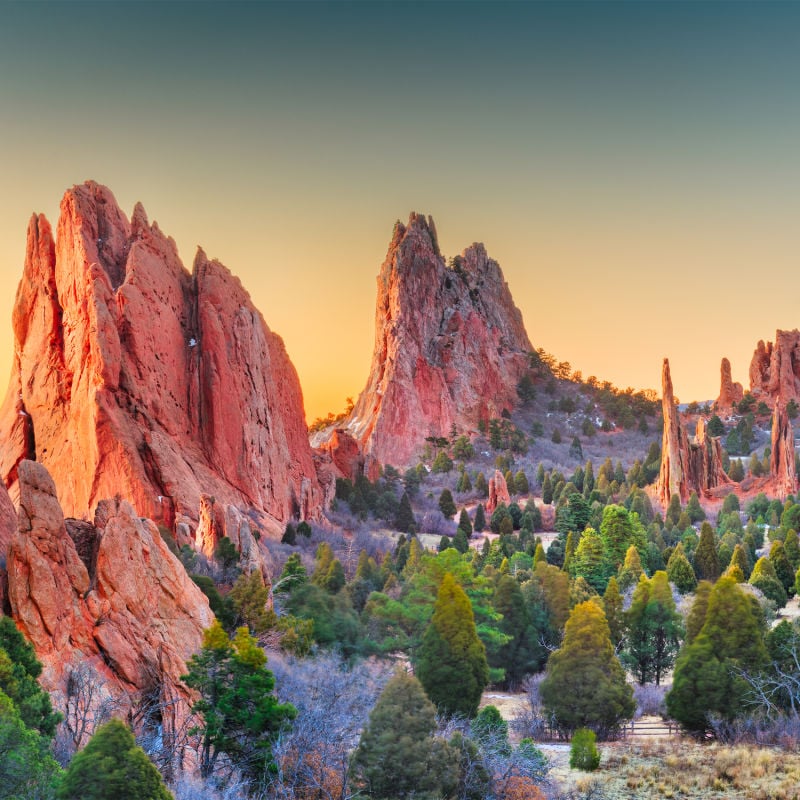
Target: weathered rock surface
column 344, row 453
column 775, row 368
column 450, row 347
column 729, row 391
column 8, row 520
column 119, row 601
column 132, row 376
column 781, row 460
column 498, row 492
column 686, row 466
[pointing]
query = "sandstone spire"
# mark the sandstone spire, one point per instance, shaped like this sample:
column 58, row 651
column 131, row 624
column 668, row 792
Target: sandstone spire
column 133, row 376
column 775, row 368
column 729, row 392
column 781, row 460
column 450, row 346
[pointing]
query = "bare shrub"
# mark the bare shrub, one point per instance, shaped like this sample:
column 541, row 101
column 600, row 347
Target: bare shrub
column 650, row 700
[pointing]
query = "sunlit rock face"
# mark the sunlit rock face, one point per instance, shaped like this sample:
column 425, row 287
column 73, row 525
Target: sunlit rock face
column 450, row 347
column 134, row 377
column 775, row 368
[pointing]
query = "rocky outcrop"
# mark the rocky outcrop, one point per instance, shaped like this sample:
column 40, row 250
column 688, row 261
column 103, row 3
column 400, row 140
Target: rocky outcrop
column 345, row 454
column 775, row 369
column 8, row 520
column 686, row 466
column 498, row 492
column 109, row 594
column 133, row 376
column 783, row 476
column 730, row 393
column 450, row 347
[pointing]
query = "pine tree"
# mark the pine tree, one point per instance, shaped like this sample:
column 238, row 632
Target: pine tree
column 547, row 490
column 289, row 535
column 398, row 757
column 460, row 541
column 782, row 566
column 680, row 571
column 764, row 578
column 631, row 569
column 539, row 555
column 585, row 684
column 619, row 531
column 570, row 546
column 590, row 561
column 588, row 479
column 520, row 654
column 446, row 504
column 694, row 510
column 481, row 486
column 740, row 559
column 792, row 546
column 521, row 485
column 464, row 523
column 451, row 660
column 706, row 559
column 404, row 521
column 112, row 765
column 480, row 519
column 697, row 613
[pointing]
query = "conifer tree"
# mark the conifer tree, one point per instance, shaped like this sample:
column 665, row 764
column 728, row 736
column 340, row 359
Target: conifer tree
column 464, row 523
column 612, row 604
column 569, row 550
column 112, row 765
column 398, row 757
column 694, row 510
column 521, row 485
column 446, row 504
column 680, row 571
column 782, row 566
column 619, row 531
column 480, row 519
column 539, row 554
column 451, row 660
column 460, row 541
column 631, row 569
column 740, row 559
column 585, row 684
column 404, row 521
column 520, row 653
column 481, row 486
column 706, row 559
column 673, row 511
column 590, row 562
column 792, row 546
column 547, row 490
column 588, row 479
column 764, row 578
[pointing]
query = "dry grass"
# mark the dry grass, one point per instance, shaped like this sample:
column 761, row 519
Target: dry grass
column 685, row 769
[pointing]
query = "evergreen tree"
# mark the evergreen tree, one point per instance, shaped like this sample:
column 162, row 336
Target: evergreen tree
column 575, row 449
column 481, row 486
column 398, row 757
column 694, row 510
column 697, row 613
column 590, row 561
column 404, row 521
column 446, row 504
column 680, row 571
column 480, row 519
column 619, row 531
column 520, row 654
column 323, row 559
column 293, row 574
column 451, row 660
column 706, row 679
column 547, row 490
column 289, row 535
column 782, row 566
column 112, row 765
column 250, row 597
column 239, row 714
column 706, row 559
column 464, row 523
column 673, row 511
column 764, row 578
column 539, row 554
column 460, row 541
column 444, row 543
column 631, row 569
column 740, row 559
column 570, row 546
column 792, row 546
column 521, row 485
column 585, row 684
column 588, row 479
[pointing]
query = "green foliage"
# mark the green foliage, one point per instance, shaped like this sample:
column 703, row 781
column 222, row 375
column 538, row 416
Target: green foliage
column 292, row 575
column 782, row 566
column 705, row 679
column 715, row 426
column 575, row 449
column 463, row 449
column 398, row 757
column 27, row 770
column 226, row 554
column 619, row 530
column 764, row 578
column 19, row 670
column 250, row 596
column 654, row 630
column 240, row 716
column 612, row 605
column 480, row 519
column 680, row 571
column 521, row 485
column 221, row 606
column 112, row 765
column 404, row 521
column 694, row 510
column 304, row 529
column 583, row 752
column 490, row 727
column 706, row 559
column 289, row 535
column 442, row 462
column 631, row 569
column 451, row 660
column 585, row 684
column 446, row 504
column 522, row 651
column 590, row 561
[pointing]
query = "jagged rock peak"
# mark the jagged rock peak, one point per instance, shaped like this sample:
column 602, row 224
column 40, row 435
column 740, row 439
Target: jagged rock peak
column 205, row 401
column 729, row 392
column 775, row 368
column 782, row 464
column 450, row 346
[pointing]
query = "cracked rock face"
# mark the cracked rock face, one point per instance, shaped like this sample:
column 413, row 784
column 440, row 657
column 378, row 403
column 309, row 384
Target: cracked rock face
column 133, row 376
column 450, row 347
column 109, row 594
column 775, row 368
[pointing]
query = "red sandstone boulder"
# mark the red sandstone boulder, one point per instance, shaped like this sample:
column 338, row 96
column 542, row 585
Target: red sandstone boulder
column 450, row 347
column 133, row 376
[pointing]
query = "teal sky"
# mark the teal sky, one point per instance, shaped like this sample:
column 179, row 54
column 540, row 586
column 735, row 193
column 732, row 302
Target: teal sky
column 632, row 166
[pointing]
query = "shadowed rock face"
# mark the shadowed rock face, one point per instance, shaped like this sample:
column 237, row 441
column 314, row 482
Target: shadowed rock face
column 450, row 347
column 119, row 601
column 686, row 466
column 781, row 460
column 775, row 368
column 133, row 376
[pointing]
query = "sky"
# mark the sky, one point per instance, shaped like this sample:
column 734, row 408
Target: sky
column 633, row 167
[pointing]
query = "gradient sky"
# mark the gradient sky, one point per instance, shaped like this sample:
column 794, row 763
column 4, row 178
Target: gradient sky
column 634, row 167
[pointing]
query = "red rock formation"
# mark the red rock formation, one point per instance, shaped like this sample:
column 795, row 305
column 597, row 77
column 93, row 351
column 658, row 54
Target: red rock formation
column 686, row 466
column 729, row 392
column 450, row 346
column 498, row 492
column 8, row 520
column 133, row 376
column 775, row 369
column 783, row 477
column 119, row 601
column 344, row 453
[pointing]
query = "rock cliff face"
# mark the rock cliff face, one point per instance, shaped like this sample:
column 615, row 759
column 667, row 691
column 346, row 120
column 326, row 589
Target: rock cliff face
column 686, row 466
column 729, row 392
column 450, row 346
column 775, row 368
column 108, row 594
column 781, row 461
column 133, row 376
